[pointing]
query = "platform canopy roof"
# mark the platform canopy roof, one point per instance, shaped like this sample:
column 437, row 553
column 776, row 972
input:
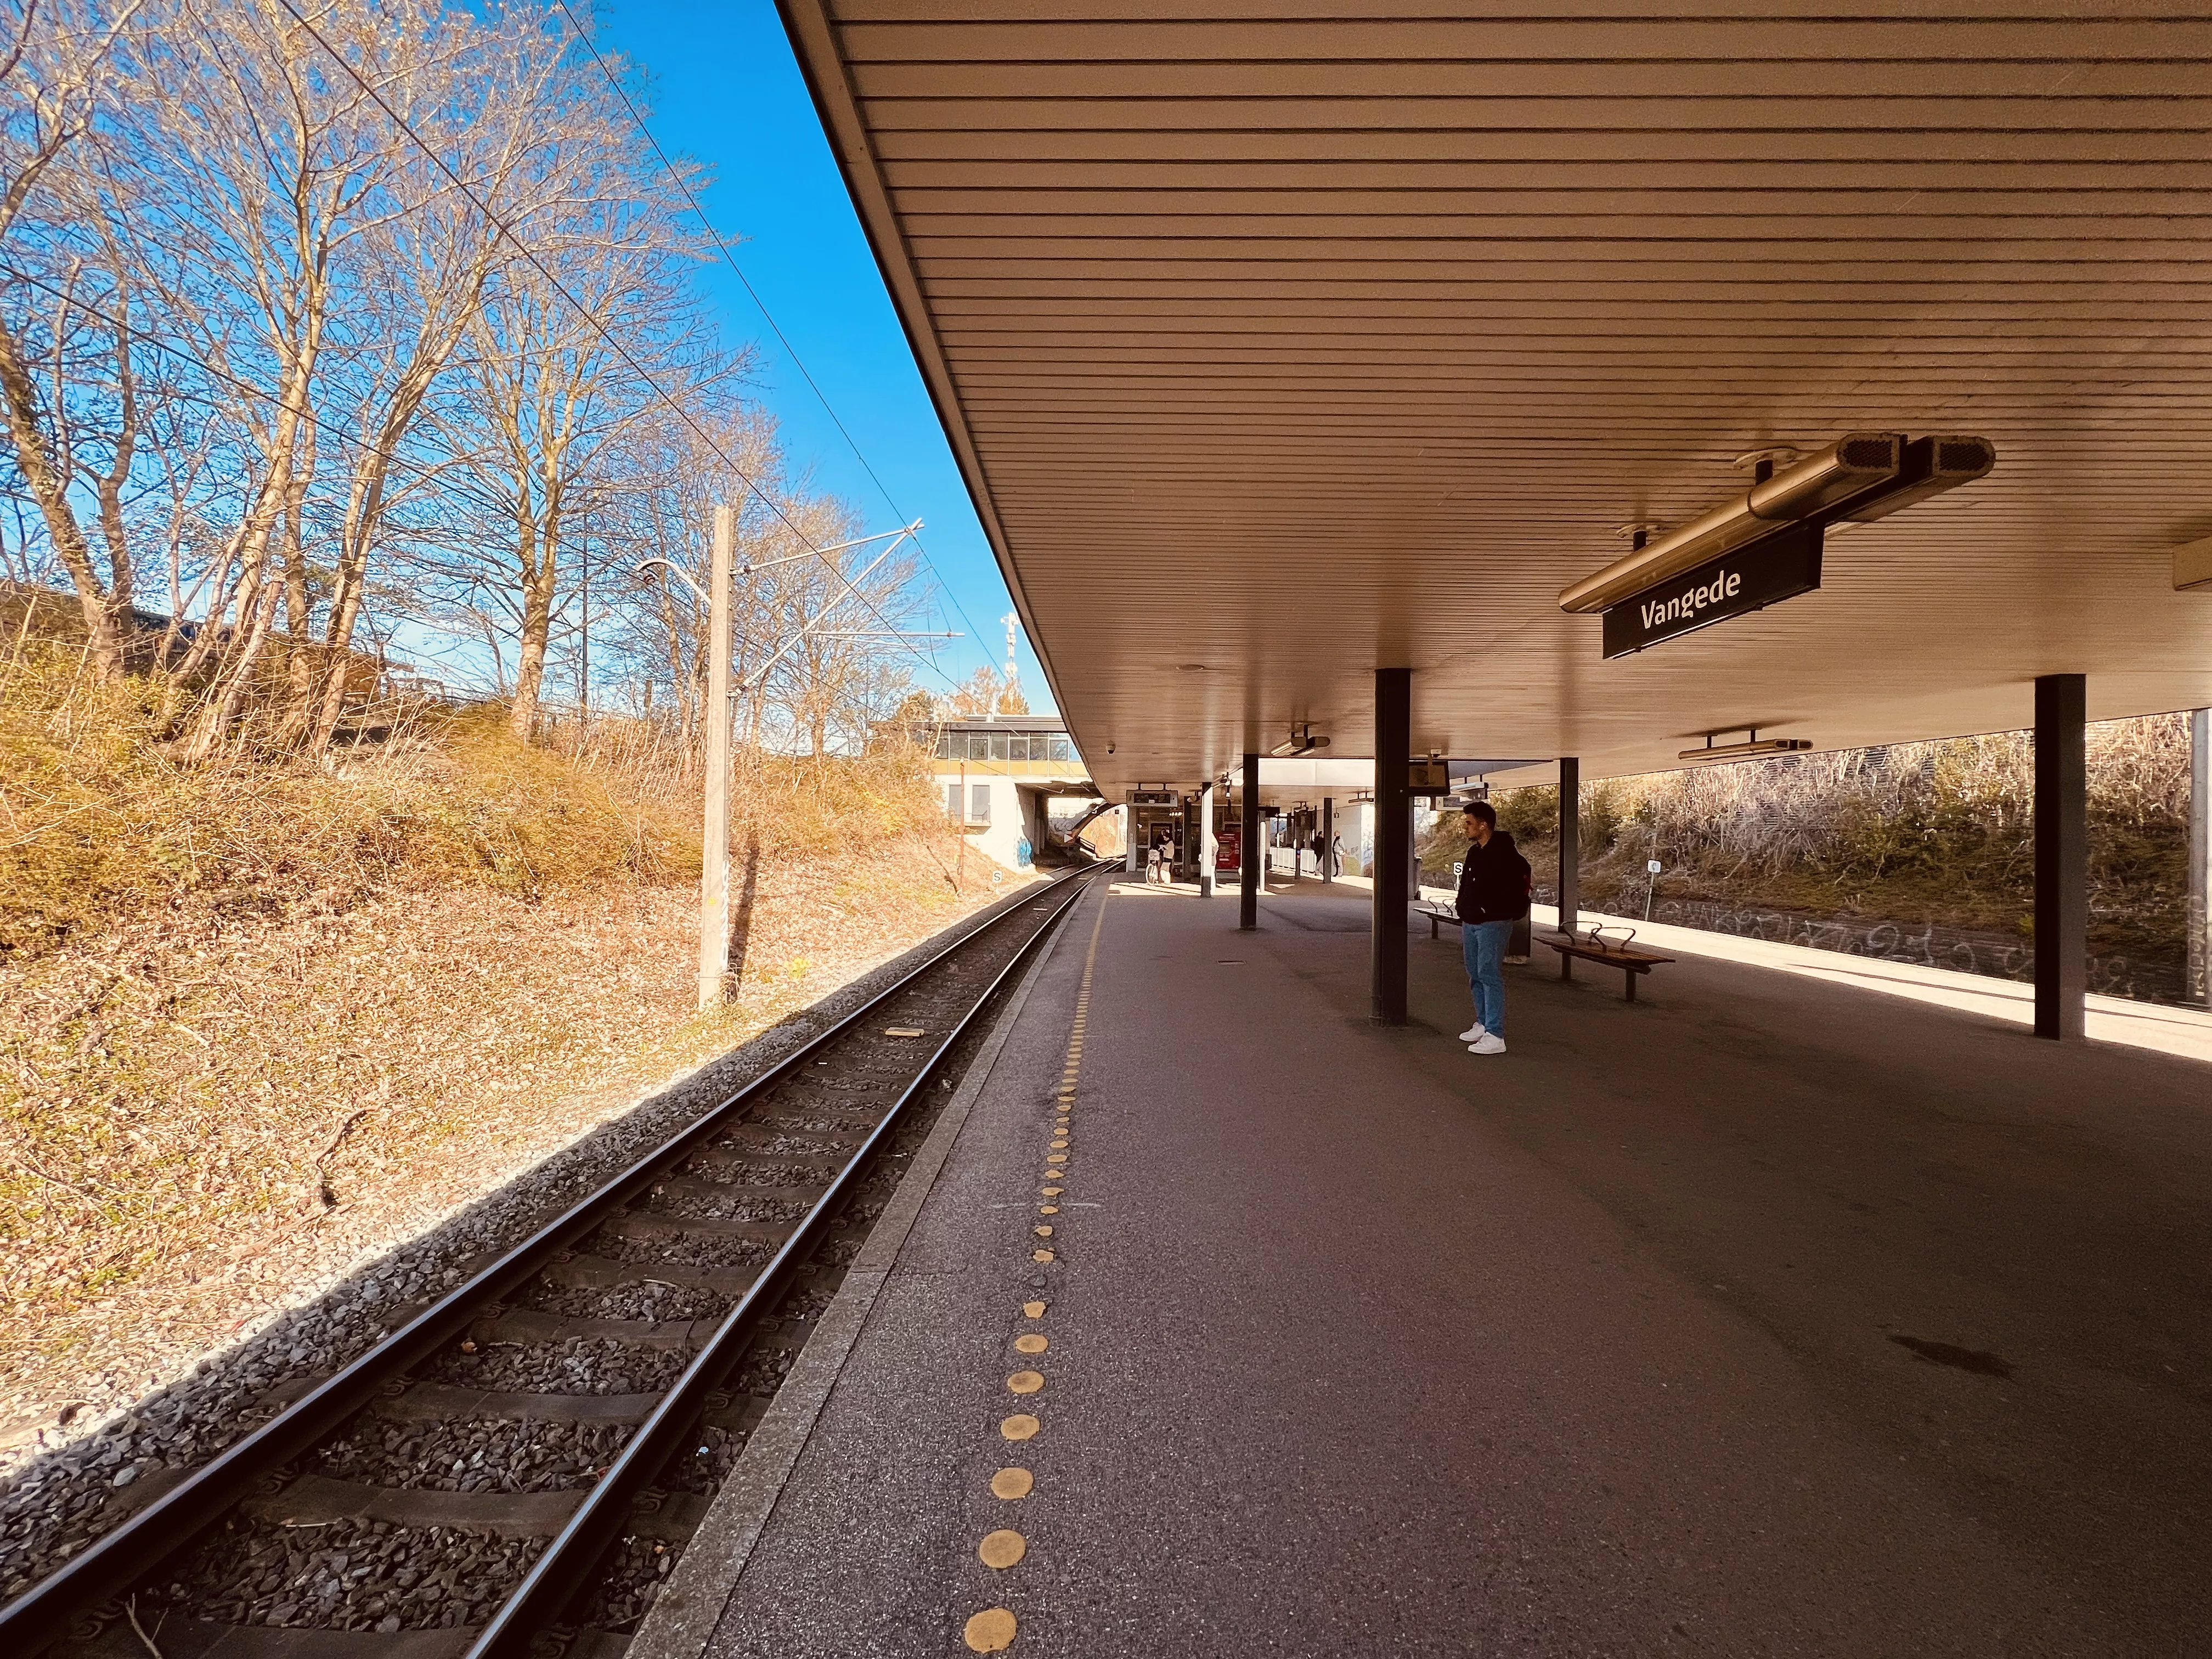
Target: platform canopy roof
column 1280, row 340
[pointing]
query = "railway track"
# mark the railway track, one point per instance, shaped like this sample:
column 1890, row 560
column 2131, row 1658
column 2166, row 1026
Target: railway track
column 515, row 1469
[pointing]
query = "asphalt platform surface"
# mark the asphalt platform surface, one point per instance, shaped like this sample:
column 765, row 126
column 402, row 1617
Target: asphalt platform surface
column 1765, row 1316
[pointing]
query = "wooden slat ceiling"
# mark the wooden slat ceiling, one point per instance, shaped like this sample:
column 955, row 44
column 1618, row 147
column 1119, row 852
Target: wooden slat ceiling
column 1282, row 342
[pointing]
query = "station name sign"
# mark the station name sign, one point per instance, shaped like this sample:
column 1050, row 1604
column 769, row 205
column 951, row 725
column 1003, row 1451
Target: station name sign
column 1777, row 567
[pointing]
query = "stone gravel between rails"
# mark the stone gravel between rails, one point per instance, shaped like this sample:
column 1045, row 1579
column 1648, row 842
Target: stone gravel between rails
column 475, row 1456
column 580, row 1366
column 352, row 1575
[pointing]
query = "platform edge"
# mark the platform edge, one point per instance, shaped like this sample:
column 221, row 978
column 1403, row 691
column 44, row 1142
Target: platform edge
column 681, row 1621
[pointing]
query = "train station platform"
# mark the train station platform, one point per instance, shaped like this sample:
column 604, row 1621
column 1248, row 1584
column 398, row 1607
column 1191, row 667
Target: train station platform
column 1769, row 1313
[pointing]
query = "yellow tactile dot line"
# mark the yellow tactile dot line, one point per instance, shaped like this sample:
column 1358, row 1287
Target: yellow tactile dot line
column 1003, row 1548
column 994, row 1628
column 991, row 1630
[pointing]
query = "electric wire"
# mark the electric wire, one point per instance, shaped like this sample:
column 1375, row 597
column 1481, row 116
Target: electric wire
column 421, row 474
column 621, row 350
column 426, row 475
column 775, row 328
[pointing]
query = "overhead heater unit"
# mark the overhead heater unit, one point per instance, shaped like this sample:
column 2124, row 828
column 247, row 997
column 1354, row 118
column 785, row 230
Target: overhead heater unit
column 1861, row 476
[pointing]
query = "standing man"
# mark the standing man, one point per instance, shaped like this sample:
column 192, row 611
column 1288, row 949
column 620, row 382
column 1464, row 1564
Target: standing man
column 1494, row 884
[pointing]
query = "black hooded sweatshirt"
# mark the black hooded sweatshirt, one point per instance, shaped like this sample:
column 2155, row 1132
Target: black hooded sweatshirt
column 1494, row 883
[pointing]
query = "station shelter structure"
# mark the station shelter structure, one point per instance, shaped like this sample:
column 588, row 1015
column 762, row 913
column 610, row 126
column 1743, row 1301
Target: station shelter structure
column 1620, row 388
column 1015, row 784
column 1348, row 393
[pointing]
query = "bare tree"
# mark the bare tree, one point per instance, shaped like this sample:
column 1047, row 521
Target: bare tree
column 597, row 329
column 467, row 202
column 56, row 77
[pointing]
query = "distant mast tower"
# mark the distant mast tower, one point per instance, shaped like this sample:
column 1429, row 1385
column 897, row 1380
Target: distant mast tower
column 1012, row 621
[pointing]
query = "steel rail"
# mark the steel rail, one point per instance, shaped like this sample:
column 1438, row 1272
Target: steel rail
column 141, row 1545
column 563, row 1571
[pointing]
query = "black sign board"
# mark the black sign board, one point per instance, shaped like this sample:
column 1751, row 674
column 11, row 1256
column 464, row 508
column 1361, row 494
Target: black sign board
column 1777, row 567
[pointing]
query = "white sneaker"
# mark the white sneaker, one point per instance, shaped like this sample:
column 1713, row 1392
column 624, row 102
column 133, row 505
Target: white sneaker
column 1488, row 1043
column 1474, row 1033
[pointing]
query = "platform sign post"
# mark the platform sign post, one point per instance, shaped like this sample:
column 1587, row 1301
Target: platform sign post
column 714, row 844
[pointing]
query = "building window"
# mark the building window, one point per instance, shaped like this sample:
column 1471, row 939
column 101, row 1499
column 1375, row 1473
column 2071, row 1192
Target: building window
column 979, row 745
column 979, row 798
column 952, row 800
column 1063, row 748
column 998, row 745
column 944, row 745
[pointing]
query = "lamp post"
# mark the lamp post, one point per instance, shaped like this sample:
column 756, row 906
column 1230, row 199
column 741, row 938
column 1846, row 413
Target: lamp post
column 714, row 844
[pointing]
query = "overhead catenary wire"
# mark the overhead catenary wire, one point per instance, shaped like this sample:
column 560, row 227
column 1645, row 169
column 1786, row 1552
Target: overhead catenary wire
column 729, row 259
column 421, row 473
column 585, row 312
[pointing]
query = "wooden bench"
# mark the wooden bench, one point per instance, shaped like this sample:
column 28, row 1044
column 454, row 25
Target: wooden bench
column 1632, row 962
column 1516, row 949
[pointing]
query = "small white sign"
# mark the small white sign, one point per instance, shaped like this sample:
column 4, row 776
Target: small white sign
column 1653, row 867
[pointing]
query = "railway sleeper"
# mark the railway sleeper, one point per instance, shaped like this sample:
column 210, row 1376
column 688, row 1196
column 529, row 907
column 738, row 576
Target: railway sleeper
column 844, row 1140
column 316, row 1500
column 659, row 1224
column 833, row 1098
column 448, row 1402
column 737, row 1193
column 733, row 1158
column 600, row 1273
column 527, row 1325
column 200, row 1638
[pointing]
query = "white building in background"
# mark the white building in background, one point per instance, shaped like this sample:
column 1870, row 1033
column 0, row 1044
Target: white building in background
column 1006, row 779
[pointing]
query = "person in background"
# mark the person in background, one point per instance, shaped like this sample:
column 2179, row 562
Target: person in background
column 1494, row 885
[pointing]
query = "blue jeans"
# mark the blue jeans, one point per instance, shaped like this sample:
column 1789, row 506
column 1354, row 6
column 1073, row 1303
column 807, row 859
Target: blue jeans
column 1483, row 944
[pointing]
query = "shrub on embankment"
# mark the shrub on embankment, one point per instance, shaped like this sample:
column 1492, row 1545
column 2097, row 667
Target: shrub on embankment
column 103, row 820
column 235, row 994
column 1915, row 833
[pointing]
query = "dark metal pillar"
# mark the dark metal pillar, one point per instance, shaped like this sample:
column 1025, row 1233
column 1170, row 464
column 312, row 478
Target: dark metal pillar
column 2199, row 957
column 1248, row 862
column 1394, row 838
column 2062, row 856
column 1329, row 838
column 1570, row 845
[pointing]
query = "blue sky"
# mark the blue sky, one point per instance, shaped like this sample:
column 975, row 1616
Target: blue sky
column 724, row 91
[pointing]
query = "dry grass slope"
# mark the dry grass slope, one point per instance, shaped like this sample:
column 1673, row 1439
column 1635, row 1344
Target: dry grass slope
column 1911, row 833
column 248, row 1004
